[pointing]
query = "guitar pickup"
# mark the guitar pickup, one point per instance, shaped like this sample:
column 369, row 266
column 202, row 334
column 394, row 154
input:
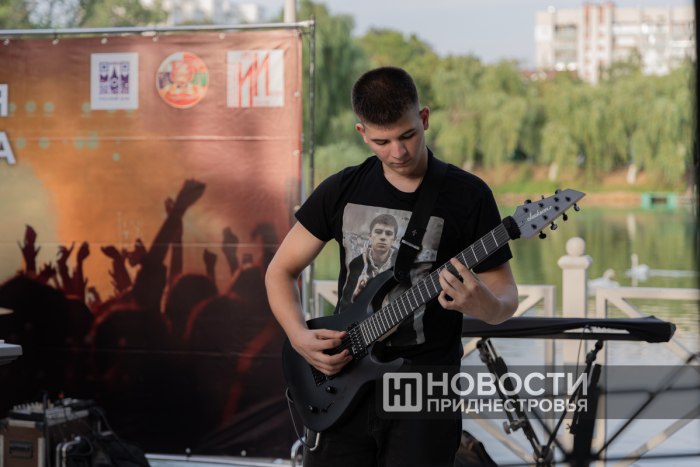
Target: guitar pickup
column 319, row 378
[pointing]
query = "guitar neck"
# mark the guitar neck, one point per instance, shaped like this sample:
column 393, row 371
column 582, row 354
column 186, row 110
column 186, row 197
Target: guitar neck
column 382, row 321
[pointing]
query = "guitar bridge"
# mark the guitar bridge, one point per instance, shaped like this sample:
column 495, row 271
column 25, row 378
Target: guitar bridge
column 358, row 348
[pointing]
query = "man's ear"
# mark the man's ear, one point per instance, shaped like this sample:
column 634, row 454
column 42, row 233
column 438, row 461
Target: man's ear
column 425, row 117
column 361, row 130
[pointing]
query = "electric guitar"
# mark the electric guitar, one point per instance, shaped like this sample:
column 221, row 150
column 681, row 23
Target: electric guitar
column 322, row 400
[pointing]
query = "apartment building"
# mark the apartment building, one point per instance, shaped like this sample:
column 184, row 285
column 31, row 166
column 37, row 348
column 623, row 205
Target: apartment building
column 589, row 39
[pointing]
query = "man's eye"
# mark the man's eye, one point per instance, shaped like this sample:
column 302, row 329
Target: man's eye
column 380, row 143
column 408, row 136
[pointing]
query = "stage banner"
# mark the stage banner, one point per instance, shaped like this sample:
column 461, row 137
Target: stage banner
column 145, row 183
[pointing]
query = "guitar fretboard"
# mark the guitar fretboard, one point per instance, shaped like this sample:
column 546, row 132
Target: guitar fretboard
column 428, row 288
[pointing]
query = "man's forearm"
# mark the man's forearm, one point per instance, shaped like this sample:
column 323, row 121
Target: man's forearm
column 283, row 296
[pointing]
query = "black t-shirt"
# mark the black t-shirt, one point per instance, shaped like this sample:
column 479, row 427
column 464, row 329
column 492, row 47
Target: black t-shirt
column 344, row 206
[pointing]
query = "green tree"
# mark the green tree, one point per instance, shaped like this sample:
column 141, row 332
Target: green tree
column 14, row 14
column 455, row 122
column 386, row 47
column 502, row 98
column 89, row 13
column 338, row 63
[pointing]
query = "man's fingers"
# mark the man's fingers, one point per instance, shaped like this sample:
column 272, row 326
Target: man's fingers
column 332, row 364
column 328, row 339
column 329, row 334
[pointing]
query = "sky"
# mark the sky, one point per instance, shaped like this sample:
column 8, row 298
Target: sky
column 489, row 29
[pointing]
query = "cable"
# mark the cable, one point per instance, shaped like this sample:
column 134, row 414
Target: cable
column 300, row 438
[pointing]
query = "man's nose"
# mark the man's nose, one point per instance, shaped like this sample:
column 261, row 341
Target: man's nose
column 398, row 149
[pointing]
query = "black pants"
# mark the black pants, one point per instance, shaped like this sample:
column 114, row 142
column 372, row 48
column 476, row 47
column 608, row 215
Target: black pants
column 366, row 439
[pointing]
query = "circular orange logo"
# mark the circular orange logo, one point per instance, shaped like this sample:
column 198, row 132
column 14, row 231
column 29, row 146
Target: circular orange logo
column 182, row 80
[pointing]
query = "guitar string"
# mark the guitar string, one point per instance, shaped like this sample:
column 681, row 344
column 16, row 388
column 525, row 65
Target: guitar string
column 494, row 244
column 490, row 242
column 495, row 239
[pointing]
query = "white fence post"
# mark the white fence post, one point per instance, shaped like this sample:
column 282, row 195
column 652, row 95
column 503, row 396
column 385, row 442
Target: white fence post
column 574, row 291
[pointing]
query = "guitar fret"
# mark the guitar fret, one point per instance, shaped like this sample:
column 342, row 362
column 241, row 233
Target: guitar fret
column 421, row 295
column 364, row 335
column 462, row 259
column 374, row 328
column 408, row 298
column 408, row 309
column 390, row 309
column 486, row 250
column 432, row 281
column 385, row 321
column 402, row 309
column 476, row 259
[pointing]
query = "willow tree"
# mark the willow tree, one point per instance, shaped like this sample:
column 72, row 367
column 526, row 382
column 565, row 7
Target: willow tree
column 502, row 101
column 456, row 119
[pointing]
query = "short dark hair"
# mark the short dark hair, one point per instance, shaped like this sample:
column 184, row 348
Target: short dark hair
column 385, row 219
column 381, row 96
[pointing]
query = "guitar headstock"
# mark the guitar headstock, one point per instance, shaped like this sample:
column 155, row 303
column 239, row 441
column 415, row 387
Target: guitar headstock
column 533, row 216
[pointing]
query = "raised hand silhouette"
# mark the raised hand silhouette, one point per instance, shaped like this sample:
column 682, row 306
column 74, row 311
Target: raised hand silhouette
column 29, row 250
column 230, row 246
column 210, row 264
column 120, row 276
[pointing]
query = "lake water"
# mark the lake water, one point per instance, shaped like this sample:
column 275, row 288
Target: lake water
column 666, row 242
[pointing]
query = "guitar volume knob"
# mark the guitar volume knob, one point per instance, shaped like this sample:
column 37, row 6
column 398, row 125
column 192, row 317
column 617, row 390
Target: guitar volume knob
column 312, row 409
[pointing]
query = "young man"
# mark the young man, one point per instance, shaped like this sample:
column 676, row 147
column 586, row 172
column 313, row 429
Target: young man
column 392, row 124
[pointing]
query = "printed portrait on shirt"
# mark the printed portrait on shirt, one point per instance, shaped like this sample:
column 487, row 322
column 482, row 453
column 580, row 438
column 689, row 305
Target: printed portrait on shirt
column 371, row 238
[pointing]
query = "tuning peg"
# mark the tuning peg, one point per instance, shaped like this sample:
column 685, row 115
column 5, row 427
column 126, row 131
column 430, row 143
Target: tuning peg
column 565, row 217
column 527, row 201
column 576, row 207
column 543, row 235
column 557, row 191
column 554, row 226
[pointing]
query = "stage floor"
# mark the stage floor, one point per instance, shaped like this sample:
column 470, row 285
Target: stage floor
column 164, row 460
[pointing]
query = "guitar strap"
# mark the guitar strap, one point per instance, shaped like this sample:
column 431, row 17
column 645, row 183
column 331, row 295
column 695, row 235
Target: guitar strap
column 413, row 237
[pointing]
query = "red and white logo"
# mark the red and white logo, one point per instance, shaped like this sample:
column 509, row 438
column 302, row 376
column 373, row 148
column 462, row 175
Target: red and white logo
column 182, row 80
column 255, row 78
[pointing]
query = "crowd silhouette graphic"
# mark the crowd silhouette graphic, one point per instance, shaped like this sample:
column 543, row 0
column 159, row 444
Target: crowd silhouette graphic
column 175, row 363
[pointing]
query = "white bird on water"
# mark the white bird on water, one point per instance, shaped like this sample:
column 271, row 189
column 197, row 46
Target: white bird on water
column 605, row 281
column 637, row 271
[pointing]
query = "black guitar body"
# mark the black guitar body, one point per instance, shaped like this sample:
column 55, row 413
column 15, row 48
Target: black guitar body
column 321, row 400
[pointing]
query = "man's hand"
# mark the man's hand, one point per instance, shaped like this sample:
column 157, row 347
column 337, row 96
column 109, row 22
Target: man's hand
column 468, row 294
column 311, row 343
